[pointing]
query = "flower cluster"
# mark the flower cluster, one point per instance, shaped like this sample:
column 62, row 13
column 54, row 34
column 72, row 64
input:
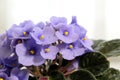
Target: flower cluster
column 29, row 44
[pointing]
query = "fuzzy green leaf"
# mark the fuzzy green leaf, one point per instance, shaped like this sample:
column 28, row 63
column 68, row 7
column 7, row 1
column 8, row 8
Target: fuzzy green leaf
column 110, row 74
column 95, row 62
column 96, row 43
column 82, row 75
column 56, row 75
column 109, row 48
column 52, row 68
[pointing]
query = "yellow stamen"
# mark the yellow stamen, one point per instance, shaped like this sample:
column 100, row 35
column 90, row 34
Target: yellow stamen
column 25, row 33
column 32, row 52
column 66, row 33
column 42, row 37
column 19, row 41
column 1, row 79
column 47, row 50
column 70, row 46
column 84, row 38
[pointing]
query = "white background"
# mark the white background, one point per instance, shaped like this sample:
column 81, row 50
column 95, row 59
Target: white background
column 101, row 18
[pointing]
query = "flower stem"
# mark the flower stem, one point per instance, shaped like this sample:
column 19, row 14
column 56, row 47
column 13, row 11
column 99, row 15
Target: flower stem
column 60, row 60
column 37, row 72
column 64, row 69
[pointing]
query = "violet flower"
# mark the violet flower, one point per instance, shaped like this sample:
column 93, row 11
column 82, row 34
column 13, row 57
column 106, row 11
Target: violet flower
column 21, row 31
column 29, row 53
column 81, row 31
column 5, row 49
column 67, row 34
column 17, row 74
column 49, row 52
column 3, row 76
column 87, row 43
column 73, row 50
column 14, row 42
column 40, row 25
column 11, row 61
column 44, row 36
column 57, row 20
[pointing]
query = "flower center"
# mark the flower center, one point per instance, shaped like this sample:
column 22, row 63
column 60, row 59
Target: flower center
column 24, row 33
column 71, row 46
column 66, row 33
column 47, row 50
column 19, row 41
column 1, row 78
column 32, row 52
column 42, row 37
column 84, row 38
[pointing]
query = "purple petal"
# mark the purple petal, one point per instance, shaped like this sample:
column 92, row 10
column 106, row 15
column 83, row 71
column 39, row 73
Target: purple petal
column 80, row 30
column 49, row 34
column 21, row 49
column 25, row 23
column 67, row 54
column 36, row 31
column 4, row 52
column 23, row 58
column 28, row 26
column 57, row 27
column 15, row 71
column 20, row 74
column 27, row 37
column 38, row 60
column 87, row 44
column 13, row 78
column 35, row 37
column 15, row 32
column 78, row 51
column 23, row 74
column 26, row 60
column 50, row 55
column 2, row 38
column 56, row 20
column 77, row 28
column 74, row 20
column 61, row 46
column 11, row 60
column 67, row 39
column 4, row 75
column 40, row 25
column 48, row 31
column 5, row 49
column 71, row 37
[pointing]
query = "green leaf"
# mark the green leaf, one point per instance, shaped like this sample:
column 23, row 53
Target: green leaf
column 96, row 43
column 82, row 75
column 109, row 48
column 110, row 74
column 52, row 68
column 56, row 75
column 95, row 62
